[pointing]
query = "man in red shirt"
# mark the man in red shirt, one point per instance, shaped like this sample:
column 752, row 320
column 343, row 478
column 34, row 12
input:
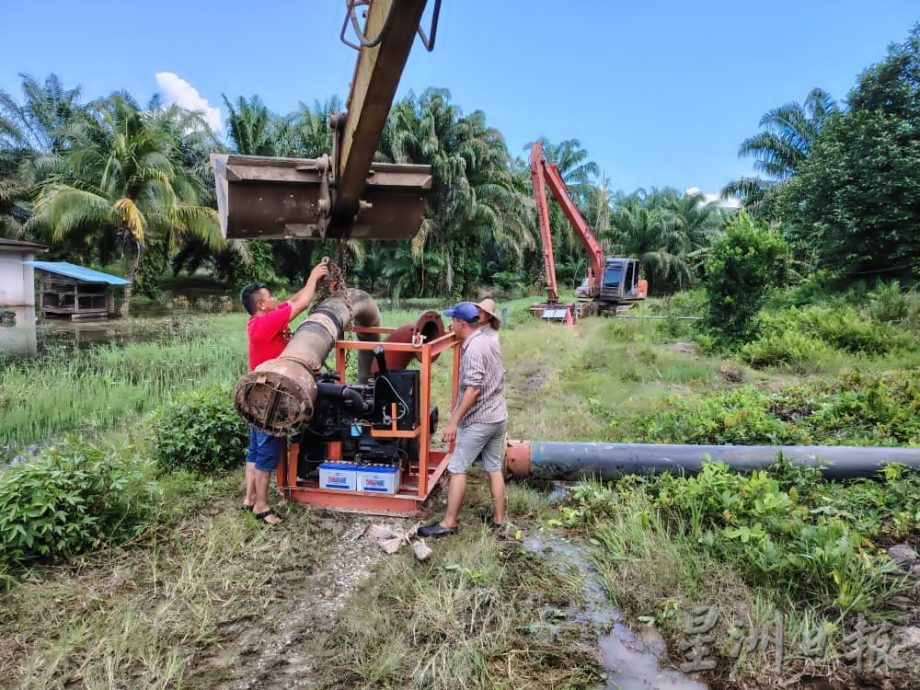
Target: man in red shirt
column 268, row 333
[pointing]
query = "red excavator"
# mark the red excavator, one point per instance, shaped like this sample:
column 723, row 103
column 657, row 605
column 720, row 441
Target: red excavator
column 612, row 285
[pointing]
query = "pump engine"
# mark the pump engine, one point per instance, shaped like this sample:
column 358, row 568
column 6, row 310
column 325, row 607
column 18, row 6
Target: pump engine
column 348, row 413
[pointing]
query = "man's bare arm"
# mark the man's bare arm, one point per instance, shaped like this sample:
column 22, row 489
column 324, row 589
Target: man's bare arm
column 301, row 299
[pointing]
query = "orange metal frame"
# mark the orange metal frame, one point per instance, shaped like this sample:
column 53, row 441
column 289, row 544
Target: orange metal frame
column 424, row 472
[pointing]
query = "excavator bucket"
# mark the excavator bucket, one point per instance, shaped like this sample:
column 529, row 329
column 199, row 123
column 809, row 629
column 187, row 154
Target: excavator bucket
column 293, row 198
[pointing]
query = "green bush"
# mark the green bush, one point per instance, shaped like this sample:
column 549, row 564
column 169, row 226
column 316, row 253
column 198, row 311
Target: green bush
column 845, row 328
column 888, row 303
column 69, row 499
column 855, row 409
column 802, row 338
column 742, row 266
column 858, row 409
column 200, row 431
column 742, row 416
column 783, row 529
column 799, row 351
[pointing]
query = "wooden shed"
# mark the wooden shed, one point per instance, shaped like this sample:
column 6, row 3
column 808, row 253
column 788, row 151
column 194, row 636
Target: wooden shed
column 80, row 293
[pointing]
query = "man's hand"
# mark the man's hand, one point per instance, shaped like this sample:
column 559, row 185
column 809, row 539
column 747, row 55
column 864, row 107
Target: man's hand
column 449, row 433
column 302, row 298
column 320, row 271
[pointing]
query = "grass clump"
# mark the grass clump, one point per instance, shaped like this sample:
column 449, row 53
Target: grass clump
column 458, row 622
column 854, row 409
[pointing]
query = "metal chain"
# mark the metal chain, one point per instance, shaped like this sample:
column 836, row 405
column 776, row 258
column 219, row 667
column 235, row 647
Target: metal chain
column 335, row 283
column 343, row 267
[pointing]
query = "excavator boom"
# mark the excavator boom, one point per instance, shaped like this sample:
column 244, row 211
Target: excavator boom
column 542, row 172
column 345, row 194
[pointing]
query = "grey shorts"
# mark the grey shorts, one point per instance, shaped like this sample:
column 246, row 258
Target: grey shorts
column 485, row 439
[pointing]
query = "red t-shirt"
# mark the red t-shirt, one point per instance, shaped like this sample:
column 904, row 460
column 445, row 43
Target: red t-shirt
column 266, row 334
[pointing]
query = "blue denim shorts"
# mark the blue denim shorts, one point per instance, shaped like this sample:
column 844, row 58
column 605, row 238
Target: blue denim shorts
column 264, row 450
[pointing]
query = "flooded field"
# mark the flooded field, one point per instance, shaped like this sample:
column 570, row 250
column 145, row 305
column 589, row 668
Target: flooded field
column 27, row 333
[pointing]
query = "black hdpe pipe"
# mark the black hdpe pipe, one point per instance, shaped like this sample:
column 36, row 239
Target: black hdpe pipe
column 570, row 461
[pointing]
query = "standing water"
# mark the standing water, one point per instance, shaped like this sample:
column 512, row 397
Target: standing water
column 28, row 334
column 633, row 661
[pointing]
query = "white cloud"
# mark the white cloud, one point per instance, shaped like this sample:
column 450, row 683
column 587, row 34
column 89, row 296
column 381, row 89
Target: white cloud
column 176, row 90
column 730, row 202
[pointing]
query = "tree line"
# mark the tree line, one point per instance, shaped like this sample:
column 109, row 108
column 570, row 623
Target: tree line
column 110, row 180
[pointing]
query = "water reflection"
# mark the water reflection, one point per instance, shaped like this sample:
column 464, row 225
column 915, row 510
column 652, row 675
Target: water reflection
column 18, row 333
column 31, row 336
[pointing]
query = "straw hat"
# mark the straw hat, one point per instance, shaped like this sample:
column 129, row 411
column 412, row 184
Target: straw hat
column 488, row 306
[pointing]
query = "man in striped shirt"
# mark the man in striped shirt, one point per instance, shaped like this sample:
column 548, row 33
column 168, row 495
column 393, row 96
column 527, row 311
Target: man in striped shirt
column 478, row 420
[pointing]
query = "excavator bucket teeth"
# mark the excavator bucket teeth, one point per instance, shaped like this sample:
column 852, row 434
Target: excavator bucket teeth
column 289, row 198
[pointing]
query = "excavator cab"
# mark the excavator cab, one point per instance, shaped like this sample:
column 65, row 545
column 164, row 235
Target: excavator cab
column 621, row 282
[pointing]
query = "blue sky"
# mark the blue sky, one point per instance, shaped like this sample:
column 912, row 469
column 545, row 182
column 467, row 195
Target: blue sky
column 659, row 92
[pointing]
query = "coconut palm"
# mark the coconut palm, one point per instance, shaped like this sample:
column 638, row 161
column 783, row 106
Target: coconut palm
column 121, row 182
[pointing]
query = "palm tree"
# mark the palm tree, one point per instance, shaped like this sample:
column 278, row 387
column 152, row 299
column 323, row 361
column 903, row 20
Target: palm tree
column 655, row 234
column 37, row 125
column 31, row 136
column 306, row 133
column 788, row 135
column 475, row 198
column 252, row 129
column 122, row 182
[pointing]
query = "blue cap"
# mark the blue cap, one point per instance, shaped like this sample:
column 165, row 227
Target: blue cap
column 465, row 311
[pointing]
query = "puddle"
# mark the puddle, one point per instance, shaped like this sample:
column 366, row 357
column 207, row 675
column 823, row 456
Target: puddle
column 634, row 661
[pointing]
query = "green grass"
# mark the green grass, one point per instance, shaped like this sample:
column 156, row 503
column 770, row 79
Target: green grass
column 138, row 615
column 667, row 545
column 160, row 610
column 93, row 390
column 458, row 622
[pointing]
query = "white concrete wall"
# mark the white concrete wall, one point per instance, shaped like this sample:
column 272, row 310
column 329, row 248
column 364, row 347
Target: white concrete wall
column 20, row 339
column 17, row 281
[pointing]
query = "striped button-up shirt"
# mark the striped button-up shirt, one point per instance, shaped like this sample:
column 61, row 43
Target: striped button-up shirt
column 481, row 367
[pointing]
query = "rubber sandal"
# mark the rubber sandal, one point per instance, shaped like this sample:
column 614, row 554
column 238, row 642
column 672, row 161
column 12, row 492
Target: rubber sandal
column 436, row 530
column 261, row 517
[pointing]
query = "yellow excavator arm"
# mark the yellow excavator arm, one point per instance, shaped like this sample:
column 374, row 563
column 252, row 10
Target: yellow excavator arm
column 344, row 194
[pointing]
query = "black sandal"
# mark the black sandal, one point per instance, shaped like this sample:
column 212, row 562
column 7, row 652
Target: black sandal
column 262, row 516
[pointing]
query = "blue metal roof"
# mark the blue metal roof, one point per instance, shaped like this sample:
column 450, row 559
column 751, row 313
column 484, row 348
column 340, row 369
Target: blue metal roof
column 87, row 275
